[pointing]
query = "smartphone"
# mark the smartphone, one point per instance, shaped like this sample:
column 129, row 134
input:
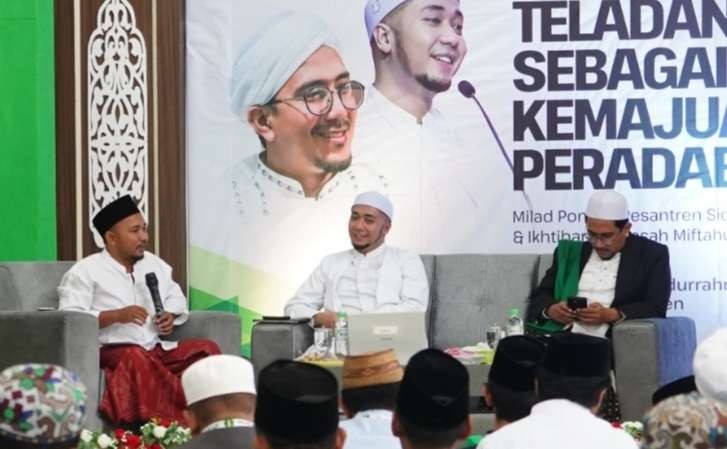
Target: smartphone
column 577, row 302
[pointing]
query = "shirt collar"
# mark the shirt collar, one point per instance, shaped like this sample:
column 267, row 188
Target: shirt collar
column 554, row 407
column 228, row 423
column 393, row 113
column 268, row 178
column 115, row 263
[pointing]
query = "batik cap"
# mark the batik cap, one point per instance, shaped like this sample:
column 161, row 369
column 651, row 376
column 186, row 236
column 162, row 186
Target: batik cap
column 680, row 386
column 686, row 421
column 371, row 368
column 114, row 212
column 434, row 392
column 296, row 401
column 41, row 403
column 515, row 363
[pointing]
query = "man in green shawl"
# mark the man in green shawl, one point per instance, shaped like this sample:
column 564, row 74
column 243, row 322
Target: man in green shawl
column 621, row 275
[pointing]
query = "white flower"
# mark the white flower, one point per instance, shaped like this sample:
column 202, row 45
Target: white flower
column 159, row 432
column 104, row 441
column 86, row 436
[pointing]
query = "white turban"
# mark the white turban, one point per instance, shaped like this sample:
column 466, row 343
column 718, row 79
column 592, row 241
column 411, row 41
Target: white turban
column 217, row 375
column 710, row 366
column 376, row 10
column 271, row 55
column 377, row 201
column 607, row 205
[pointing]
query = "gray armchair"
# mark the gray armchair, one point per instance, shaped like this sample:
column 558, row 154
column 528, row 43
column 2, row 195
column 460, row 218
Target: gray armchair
column 70, row 339
column 470, row 292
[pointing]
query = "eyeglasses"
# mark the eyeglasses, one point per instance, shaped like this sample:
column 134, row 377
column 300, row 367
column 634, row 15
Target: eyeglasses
column 319, row 99
column 606, row 239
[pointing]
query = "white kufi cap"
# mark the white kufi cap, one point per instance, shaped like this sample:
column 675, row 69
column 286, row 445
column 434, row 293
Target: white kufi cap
column 607, row 205
column 710, row 366
column 271, row 55
column 217, row 375
column 376, row 200
column 376, row 10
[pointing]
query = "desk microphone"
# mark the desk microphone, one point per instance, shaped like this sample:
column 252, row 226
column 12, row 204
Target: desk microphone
column 468, row 90
column 153, row 285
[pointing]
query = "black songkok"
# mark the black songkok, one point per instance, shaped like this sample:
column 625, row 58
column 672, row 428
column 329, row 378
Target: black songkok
column 515, row 363
column 577, row 355
column 434, row 392
column 113, row 213
column 680, row 386
column 297, row 402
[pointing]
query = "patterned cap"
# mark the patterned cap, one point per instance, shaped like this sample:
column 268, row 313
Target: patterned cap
column 686, row 421
column 41, row 403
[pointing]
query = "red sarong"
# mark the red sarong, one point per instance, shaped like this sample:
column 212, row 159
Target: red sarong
column 142, row 384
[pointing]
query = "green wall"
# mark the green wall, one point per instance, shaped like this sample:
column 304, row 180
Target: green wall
column 27, row 131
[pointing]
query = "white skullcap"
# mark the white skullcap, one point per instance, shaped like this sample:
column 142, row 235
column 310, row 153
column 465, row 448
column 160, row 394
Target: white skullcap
column 271, row 55
column 217, row 375
column 376, row 10
column 376, row 200
column 607, row 205
column 710, row 366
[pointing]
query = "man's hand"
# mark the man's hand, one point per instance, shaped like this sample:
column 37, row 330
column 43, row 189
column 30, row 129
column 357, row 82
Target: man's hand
column 325, row 319
column 165, row 323
column 132, row 314
column 596, row 314
column 561, row 313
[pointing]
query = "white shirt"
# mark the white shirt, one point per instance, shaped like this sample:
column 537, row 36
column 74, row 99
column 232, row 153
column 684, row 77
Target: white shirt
column 99, row 283
column 439, row 185
column 559, row 424
column 598, row 284
column 401, row 285
column 370, row 429
column 357, row 287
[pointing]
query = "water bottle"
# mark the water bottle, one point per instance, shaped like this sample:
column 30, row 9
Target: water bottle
column 515, row 324
column 341, row 335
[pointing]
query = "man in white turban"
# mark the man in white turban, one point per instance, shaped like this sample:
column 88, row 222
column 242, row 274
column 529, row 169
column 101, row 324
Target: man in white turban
column 621, row 275
column 371, row 277
column 291, row 86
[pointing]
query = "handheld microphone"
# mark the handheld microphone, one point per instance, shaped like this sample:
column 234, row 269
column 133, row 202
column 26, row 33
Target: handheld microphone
column 153, row 285
column 468, row 91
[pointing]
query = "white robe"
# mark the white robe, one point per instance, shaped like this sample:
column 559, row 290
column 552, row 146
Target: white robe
column 559, row 424
column 370, row 429
column 401, row 287
column 99, row 283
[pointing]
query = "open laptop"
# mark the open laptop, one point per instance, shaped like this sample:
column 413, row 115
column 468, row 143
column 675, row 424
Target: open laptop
column 404, row 332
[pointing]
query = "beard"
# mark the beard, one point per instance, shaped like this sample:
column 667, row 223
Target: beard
column 426, row 81
column 333, row 167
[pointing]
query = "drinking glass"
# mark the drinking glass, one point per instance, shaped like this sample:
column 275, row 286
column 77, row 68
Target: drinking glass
column 492, row 335
column 322, row 337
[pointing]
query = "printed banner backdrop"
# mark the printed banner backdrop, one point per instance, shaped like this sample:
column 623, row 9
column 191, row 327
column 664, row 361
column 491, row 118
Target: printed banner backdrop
column 583, row 95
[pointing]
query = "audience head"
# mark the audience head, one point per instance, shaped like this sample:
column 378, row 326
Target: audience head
column 686, row 421
column 370, row 221
column 297, row 407
column 575, row 367
column 370, row 382
column 432, row 405
column 710, row 366
column 680, row 386
column 41, row 405
column 607, row 222
column 218, row 387
column 510, row 387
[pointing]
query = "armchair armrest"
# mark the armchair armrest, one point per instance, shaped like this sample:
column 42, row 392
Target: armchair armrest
column 224, row 328
column 69, row 339
column 275, row 339
column 648, row 354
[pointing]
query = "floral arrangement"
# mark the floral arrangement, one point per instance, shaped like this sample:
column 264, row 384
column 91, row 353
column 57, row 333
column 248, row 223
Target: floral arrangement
column 633, row 428
column 156, row 434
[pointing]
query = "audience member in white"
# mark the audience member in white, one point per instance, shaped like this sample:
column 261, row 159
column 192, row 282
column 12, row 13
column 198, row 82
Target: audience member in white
column 368, row 397
column 220, row 393
column 371, row 277
column 571, row 384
